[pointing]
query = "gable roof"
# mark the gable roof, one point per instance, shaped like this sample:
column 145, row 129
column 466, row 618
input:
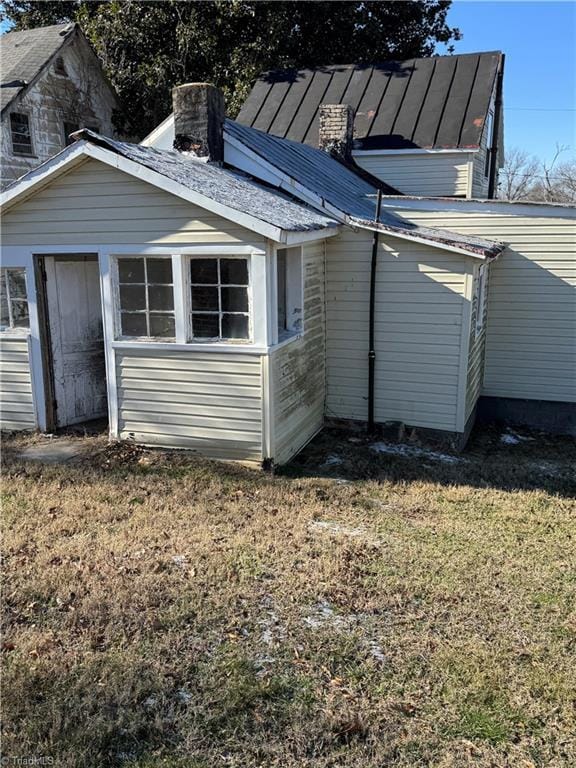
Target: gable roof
column 439, row 102
column 24, row 54
column 267, row 211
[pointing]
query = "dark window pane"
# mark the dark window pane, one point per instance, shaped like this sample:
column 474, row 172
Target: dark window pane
column 234, row 271
column 17, row 283
column 160, row 297
column 281, row 283
column 4, row 316
column 131, row 270
column 159, row 270
column 161, row 325
column 204, row 298
column 133, row 324
column 20, row 313
column 68, row 129
column 234, row 327
column 234, row 299
column 132, row 297
column 205, row 326
column 203, row 270
column 20, row 129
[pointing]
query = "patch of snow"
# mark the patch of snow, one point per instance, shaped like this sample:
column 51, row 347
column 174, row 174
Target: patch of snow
column 549, row 468
column 333, row 527
column 184, row 695
column 179, row 560
column 376, row 651
column 513, row 438
column 323, row 615
column 412, row 452
column 333, row 461
column 150, row 702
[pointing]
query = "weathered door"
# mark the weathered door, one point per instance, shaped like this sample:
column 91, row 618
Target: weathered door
column 76, row 338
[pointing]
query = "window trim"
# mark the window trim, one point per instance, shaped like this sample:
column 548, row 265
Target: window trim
column 481, row 296
column 15, row 330
column 117, row 310
column 26, row 113
column 278, row 338
column 187, row 306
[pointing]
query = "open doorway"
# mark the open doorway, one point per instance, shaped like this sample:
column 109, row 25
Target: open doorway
column 72, row 339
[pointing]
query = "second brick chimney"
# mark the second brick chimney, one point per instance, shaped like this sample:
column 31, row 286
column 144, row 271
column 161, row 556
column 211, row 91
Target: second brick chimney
column 199, row 121
column 336, row 130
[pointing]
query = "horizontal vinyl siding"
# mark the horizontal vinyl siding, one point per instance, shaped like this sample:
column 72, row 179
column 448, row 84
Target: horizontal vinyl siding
column 430, row 175
column 94, row 204
column 418, row 329
column 298, row 369
column 207, row 402
column 531, row 324
column 16, row 402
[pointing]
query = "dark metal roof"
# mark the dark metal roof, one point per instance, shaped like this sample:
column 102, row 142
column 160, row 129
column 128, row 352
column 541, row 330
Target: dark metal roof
column 224, row 186
column 24, row 54
column 338, row 187
column 435, row 103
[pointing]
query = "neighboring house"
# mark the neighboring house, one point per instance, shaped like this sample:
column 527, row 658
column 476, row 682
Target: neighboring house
column 217, row 297
column 428, row 127
column 52, row 84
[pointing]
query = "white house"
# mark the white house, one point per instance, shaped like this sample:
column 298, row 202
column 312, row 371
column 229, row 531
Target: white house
column 52, row 85
column 219, row 297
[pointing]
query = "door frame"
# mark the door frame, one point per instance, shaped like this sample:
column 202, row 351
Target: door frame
column 45, row 337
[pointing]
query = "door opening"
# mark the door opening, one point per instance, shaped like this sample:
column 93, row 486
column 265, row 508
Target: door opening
column 72, row 338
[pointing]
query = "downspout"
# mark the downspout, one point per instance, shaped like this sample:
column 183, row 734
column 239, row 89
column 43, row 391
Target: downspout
column 371, row 350
column 496, row 131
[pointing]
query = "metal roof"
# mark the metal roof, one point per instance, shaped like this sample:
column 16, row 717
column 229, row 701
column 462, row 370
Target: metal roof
column 231, row 189
column 439, row 102
column 24, row 54
column 340, row 188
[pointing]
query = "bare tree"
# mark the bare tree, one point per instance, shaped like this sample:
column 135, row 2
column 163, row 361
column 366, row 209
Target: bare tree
column 556, row 182
column 518, row 176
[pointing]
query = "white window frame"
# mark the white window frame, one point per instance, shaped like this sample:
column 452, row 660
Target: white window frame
column 489, row 128
column 118, row 336
column 295, row 318
column 187, row 282
column 28, row 115
column 12, row 329
column 481, row 298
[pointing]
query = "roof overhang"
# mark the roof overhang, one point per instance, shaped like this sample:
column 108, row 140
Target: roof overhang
column 461, row 204
column 77, row 153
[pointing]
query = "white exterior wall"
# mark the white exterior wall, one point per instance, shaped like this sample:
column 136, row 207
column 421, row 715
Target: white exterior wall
column 430, row 174
column 476, row 346
column 422, row 330
column 298, row 369
column 16, row 397
column 83, row 98
column 531, row 327
column 208, row 402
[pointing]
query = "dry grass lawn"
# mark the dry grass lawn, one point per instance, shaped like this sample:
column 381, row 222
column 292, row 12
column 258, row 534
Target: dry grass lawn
column 359, row 609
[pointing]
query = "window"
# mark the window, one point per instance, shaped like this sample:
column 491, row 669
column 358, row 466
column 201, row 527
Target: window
column 13, row 301
column 480, row 297
column 20, row 132
column 289, row 291
column 146, row 297
column 69, row 128
column 59, row 67
column 489, row 128
column 219, row 306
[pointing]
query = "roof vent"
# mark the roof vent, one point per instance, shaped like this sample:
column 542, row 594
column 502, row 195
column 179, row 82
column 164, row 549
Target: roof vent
column 199, row 121
column 336, row 130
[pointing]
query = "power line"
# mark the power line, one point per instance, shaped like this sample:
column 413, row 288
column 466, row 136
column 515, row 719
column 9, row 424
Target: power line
column 540, row 109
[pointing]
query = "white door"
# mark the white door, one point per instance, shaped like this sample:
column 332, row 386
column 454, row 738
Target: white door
column 76, row 338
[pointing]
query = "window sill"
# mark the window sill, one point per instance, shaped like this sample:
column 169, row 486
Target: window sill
column 25, row 154
column 287, row 339
column 166, row 346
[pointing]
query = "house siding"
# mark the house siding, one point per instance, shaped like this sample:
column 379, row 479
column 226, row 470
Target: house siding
column 207, row 402
column 531, row 324
column 442, row 174
column 97, row 204
column 81, row 97
column 476, row 347
column 298, row 369
column 421, row 322
column 16, row 399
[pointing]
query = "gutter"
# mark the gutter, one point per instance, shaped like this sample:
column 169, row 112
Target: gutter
column 372, row 312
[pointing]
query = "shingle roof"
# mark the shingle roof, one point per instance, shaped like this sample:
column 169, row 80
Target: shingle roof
column 24, row 54
column 340, row 188
column 231, row 189
column 439, row 102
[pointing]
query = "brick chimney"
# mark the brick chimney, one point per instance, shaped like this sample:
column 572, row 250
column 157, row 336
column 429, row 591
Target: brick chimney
column 336, row 130
column 199, row 121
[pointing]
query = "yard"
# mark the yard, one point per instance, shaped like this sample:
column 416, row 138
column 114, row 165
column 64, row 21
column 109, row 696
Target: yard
column 362, row 608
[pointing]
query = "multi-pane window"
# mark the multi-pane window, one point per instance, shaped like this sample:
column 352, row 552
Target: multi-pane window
column 146, row 295
column 219, row 306
column 20, row 132
column 13, row 301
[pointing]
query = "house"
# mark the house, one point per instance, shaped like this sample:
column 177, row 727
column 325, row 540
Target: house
column 430, row 126
column 232, row 295
column 52, row 84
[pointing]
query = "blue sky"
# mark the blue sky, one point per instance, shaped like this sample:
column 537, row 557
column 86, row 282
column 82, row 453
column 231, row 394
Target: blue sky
column 539, row 40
